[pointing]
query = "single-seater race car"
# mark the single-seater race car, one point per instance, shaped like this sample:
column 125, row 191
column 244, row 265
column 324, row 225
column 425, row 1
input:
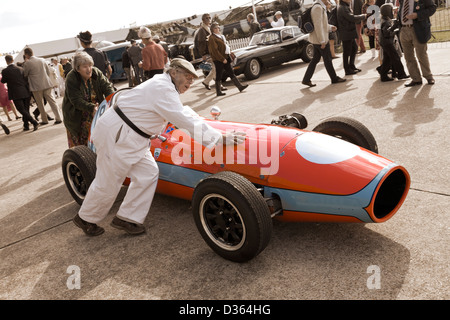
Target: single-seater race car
column 332, row 173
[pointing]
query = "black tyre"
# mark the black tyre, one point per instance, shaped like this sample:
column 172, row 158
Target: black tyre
column 349, row 130
column 253, row 69
column 78, row 167
column 232, row 216
column 301, row 121
column 308, row 53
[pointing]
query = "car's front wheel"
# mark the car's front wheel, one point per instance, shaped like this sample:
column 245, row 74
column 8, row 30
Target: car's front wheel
column 253, row 69
column 78, row 168
column 232, row 216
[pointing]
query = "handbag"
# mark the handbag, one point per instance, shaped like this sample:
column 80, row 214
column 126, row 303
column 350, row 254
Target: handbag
column 205, row 66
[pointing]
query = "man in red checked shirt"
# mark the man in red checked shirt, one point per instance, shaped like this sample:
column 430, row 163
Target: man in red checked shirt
column 154, row 57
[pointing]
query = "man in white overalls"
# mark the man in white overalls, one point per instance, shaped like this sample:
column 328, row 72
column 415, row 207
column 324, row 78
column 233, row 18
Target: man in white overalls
column 121, row 138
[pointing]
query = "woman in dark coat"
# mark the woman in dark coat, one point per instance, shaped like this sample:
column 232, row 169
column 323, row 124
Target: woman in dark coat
column 220, row 53
column 86, row 87
column 348, row 34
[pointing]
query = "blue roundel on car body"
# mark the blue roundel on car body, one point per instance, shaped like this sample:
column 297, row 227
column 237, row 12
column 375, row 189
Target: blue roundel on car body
column 323, row 149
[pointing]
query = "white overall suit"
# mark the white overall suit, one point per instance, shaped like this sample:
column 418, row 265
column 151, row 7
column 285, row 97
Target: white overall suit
column 121, row 152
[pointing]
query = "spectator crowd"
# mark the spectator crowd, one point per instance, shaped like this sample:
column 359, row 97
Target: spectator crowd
column 395, row 29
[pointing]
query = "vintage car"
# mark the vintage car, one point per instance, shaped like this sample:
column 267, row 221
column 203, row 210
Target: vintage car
column 282, row 171
column 272, row 47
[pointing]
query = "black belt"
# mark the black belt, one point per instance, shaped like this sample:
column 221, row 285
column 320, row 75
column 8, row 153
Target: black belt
column 128, row 122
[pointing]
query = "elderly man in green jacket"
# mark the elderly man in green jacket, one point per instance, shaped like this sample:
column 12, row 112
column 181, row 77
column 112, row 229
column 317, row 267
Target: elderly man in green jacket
column 86, row 87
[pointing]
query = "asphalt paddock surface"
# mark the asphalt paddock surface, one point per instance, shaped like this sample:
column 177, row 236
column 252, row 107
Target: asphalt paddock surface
column 44, row 256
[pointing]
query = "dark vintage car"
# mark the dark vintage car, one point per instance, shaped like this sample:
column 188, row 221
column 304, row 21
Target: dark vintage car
column 272, row 47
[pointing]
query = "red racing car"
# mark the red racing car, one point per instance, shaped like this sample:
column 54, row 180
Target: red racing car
column 330, row 174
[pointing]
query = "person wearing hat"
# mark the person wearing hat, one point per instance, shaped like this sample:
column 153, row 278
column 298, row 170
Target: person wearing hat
column 154, row 57
column 278, row 20
column 121, row 138
column 391, row 58
column 100, row 59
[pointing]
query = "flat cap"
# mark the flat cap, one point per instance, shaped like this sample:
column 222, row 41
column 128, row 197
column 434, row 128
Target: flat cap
column 144, row 33
column 186, row 65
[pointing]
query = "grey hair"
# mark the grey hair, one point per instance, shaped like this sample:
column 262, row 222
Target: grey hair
column 81, row 58
column 170, row 68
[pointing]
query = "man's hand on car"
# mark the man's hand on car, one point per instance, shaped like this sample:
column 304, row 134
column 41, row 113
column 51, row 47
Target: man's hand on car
column 233, row 138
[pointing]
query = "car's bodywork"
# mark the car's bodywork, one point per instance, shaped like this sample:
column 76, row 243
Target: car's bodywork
column 316, row 177
column 281, row 171
column 270, row 48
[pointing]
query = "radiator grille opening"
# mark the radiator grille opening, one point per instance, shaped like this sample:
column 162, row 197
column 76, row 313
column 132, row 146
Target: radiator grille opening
column 390, row 194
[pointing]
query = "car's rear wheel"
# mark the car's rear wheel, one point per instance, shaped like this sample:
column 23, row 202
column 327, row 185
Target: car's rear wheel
column 300, row 121
column 232, row 216
column 308, row 53
column 349, row 130
column 79, row 167
column 253, row 69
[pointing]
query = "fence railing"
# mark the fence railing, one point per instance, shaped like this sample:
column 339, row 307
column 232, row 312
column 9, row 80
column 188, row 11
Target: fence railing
column 239, row 43
column 440, row 21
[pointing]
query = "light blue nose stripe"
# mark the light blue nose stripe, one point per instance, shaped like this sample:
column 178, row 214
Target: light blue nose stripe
column 349, row 205
column 180, row 175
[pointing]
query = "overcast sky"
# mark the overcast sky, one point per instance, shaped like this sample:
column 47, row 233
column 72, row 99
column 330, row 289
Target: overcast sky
column 33, row 21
